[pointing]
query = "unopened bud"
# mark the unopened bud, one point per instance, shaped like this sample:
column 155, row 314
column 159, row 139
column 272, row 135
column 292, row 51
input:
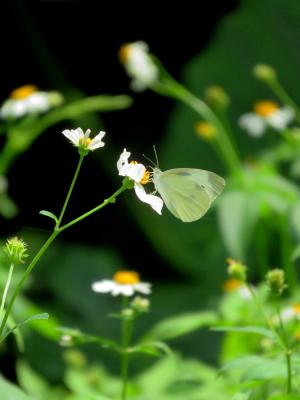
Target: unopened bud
column 264, row 73
column 217, row 97
column 276, row 281
column 15, row 249
column 237, row 270
column 140, row 304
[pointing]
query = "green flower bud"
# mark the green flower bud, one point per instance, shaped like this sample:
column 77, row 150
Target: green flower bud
column 75, row 358
column 217, row 97
column 55, row 98
column 140, row 304
column 15, row 249
column 237, row 270
column 127, row 313
column 276, row 282
column 264, row 73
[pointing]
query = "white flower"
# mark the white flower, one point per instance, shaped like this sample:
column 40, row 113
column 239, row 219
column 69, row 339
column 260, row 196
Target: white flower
column 139, row 65
column 82, row 140
column 28, row 100
column 266, row 113
column 138, row 173
column 125, row 283
column 291, row 312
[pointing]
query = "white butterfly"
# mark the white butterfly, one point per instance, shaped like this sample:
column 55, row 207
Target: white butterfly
column 187, row 192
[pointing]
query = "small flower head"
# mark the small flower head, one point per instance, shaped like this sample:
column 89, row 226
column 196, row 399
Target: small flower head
column 139, row 65
column 66, row 340
column 205, row 130
column 237, row 270
column 75, row 358
column 217, row 97
column 276, row 282
column 125, row 283
column 83, row 141
column 231, row 285
column 140, row 176
column 15, row 250
column 28, row 100
column 267, row 113
column 140, row 304
column 264, row 73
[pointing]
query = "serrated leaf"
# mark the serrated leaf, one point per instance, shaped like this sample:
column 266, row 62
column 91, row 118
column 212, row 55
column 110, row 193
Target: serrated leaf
column 180, row 325
column 246, row 329
column 26, row 321
column 49, row 214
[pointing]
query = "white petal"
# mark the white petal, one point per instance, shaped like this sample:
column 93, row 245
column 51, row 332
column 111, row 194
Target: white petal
column 97, row 141
column 123, row 161
column 37, row 102
column 281, row 118
column 143, row 287
column 125, row 290
column 253, row 124
column 287, row 314
column 72, row 135
column 104, row 286
column 134, row 171
column 87, row 134
column 154, row 201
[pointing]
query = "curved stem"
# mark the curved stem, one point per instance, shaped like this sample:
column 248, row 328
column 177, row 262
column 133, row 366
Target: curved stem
column 70, row 190
column 126, row 330
column 11, row 269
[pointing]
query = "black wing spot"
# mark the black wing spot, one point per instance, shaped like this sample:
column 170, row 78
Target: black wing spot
column 197, row 186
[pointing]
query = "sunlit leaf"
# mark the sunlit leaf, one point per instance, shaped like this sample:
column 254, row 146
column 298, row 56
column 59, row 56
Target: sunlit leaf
column 246, row 329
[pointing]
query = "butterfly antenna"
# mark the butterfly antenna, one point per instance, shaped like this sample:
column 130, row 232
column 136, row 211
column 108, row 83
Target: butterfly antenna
column 154, row 148
column 149, row 159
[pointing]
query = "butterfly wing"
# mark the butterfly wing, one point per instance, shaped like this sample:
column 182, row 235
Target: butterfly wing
column 188, row 193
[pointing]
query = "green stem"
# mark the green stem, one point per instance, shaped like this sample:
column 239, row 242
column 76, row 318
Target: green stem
column 11, row 269
column 286, row 251
column 284, row 97
column 126, row 330
column 70, row 190
column 111, row 199
column 287, row 352
column 225, row 147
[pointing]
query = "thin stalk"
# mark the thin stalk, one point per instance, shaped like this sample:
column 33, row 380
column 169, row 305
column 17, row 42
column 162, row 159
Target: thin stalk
column 7, row 285
column 288, row 357
column 126, row 330
column 286, row 251
column 284, row 97
column 70, row 190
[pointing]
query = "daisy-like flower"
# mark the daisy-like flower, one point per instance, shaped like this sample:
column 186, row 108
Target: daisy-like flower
column 28, row 100
column 125, row 283
column 83, row 140
column 234, row 285
column 139, row 65
column 266, row 113
column 139, row 174
column 291, row 312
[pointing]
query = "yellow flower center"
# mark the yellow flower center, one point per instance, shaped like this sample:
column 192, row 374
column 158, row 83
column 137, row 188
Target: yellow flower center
column 146, row 177
column 231, row 284
column 205, row 130
column 124, row 53
column 23, row 92
column 296, row 308
column 85, row 142
column 297, row 335
column 265, row 108
column 126, row 277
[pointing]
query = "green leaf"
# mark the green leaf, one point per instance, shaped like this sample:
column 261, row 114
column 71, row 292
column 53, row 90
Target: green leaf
column 10, row 391
column 246, row 329
column 296, row 253
column 237, row 228
column 79, row 338
column 180, row 325
column 285, row 397
column 49, row 214
column 26, row 321
column 152, row 348
column 295, row 218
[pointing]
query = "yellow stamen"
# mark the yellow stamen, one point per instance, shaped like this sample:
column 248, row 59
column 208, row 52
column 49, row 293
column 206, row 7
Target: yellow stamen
column 205, row 130
column 265, row 108
column 146, row 177
column 126, row 277
column 23, row 92
column 297, row 335
column 296, row 308
column 124, row 53
column 231, row 284
column 85, row 142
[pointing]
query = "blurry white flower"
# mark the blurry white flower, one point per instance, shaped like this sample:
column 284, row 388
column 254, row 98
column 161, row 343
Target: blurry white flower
column 139, row 65
column 125, row 283
column 291, row 312
column 82, row 140
column 235, row 285
column 266, row 113
column 138, row 173
column 28, row 100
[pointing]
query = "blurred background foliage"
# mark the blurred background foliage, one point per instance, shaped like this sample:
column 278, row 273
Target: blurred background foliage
column 68, row 47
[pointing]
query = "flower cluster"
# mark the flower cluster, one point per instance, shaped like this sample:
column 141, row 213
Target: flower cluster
column 15, row 249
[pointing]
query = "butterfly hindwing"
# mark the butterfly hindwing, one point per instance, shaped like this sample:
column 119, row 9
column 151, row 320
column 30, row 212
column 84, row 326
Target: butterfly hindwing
column 188, row 192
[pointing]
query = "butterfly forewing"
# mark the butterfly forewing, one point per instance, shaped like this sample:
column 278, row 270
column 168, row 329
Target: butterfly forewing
column 187, row 192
